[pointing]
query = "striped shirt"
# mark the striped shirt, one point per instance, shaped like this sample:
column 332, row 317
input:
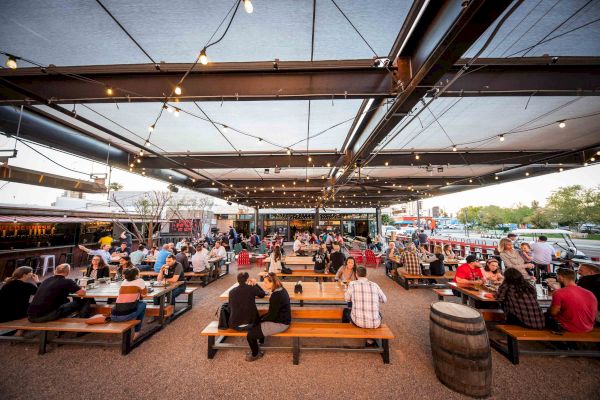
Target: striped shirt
column 130, row 293
column 365, row 297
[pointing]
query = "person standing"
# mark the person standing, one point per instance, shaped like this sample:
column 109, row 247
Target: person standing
column 276, row 320
column 232, row 237
column 15, row 294
column 275, row 260
column 423, row 238
column 542, row 253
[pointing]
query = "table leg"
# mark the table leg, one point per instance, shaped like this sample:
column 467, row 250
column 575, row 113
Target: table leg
column 513, row 349
column 126, row 342
column 43, row 341
column 211, row 350
column 161, row 311
column 386, row 351
column 296, row 350
column 464, row 298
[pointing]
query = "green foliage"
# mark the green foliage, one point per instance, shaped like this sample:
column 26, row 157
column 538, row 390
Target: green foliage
column 469, row 214
column 386, row 219
column 115, row 187
column 573, row 205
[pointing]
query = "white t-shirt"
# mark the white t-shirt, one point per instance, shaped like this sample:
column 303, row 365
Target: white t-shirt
column 297, row 245
column 274, row 266
column 220, row 252
column 542, row 252
column 200, row 261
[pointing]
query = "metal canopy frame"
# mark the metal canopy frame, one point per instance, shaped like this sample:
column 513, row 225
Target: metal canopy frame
column 424, row 57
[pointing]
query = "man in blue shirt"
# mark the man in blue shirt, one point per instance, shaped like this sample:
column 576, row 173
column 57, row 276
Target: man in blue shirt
column 161, row 257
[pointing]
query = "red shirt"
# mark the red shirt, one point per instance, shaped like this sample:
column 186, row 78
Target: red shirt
column 577, row 308
column 466, row 272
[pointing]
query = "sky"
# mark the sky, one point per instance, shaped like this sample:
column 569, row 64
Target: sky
column 504, row 195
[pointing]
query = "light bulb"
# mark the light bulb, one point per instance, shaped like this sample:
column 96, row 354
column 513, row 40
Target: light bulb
column 169, row 109
column 501, row 137
column 203, row 57
column 177, row 90
column 131, row 165
column 176, row 112
column 526, row 173
column 141, row 153
column 470, row 180
column 561, row 170
column 309, row 159
column 593, row 159
column 329, row 164
column 387, row 163
column 130, row 169
column 11, row 62
column 139, row 160
column 496, row 178
column 454, row 148
column 561, row 124
column 248, row 6
column 170, row 177
column 143, row 172
column 109, row 91
column 225, row 129
column 151, row 128
column 289, row 152
column 417, row 156
column 307, row 180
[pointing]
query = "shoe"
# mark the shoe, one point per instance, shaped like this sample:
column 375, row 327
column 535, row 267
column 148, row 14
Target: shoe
column 250, row 357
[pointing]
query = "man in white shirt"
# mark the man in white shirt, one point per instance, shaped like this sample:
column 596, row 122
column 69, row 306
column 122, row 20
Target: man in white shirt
column 542, row 253
column 298, row 246
column 200, row 260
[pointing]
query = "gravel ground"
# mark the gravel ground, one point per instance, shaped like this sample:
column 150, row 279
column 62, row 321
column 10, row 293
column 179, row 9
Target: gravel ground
column 173, row 364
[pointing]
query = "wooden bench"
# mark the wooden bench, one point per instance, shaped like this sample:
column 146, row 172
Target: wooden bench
column 442, row 293
column 205, row 277
column 516, row 334
column 312, row 313
column 404, row 279
column 152, row 310
column 71, row 325
column 298, row 330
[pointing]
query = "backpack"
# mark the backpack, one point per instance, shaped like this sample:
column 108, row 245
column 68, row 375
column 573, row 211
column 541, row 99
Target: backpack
column 224, row 313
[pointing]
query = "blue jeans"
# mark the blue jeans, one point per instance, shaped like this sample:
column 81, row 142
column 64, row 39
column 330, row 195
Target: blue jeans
column 176, row 292
column 137, row 314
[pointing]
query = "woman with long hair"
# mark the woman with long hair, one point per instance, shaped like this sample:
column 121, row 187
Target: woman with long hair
column 97, row 269
column 519, row 301
column 276, row 320
column 512, row 258
column 436, row 262
column 492, row 271
column 348, row 272
column 15, row 294
column 275, row 260
column 321, row 259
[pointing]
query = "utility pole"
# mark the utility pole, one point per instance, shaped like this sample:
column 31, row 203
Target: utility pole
column 418, row 214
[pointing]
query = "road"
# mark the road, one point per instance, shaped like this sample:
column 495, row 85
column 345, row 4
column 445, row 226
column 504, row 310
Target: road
column 590, row 248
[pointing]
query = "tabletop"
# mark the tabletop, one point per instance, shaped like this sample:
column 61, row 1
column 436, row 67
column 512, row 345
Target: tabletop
column 315, row 291
column 297, row 260
column 111, row 290
column 480, row 294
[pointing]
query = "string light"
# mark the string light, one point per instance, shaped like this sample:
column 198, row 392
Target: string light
column 131, row 165
column 417, row 156
column 151, row 128
column 139, row 160
column 454, row 148
column 387, row 163
column 109, row 91
column 141, row 152
column 501, row 138
column 177, row 90
column 248, row 6
column 176, row 114
column 561, row 124
column 309, row 158
column 11, row 62
column 203, row 57
column 526, row 173
column 289, row 152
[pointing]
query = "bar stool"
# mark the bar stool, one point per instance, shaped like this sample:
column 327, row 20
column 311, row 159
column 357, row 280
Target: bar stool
column 64, row 258
column 45, row 261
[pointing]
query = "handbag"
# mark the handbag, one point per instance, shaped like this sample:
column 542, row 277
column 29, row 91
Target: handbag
column 298, row 287
column 224, row 313
column 285, row 270
column 346, row 319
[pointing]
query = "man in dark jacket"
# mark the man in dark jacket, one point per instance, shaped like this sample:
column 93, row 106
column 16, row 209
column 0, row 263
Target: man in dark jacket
column 242, row 304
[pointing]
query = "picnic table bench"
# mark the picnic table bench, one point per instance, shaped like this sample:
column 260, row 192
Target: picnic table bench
column 299, row 330
column 516, row 334
column 442, row 293
column 300, row 274
column 71, row 325
column 405, row 279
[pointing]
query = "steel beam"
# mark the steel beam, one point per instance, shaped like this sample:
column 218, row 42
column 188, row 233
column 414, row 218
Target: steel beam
column 294, row 80
column 30, row 177
column 281, row 185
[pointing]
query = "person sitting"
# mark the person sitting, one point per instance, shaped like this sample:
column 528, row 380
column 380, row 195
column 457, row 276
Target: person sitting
column 182, row 258
column 512, row 258
column 542, row 253
column 242, row 305
column 589, row 278
column 470, row 272
column 409, row 261
column 275, row 260
column 137, row 257
column 313, row 239
column 123, row 250
column 337, row 258
column 572, row 306
column 98, row 269
column 449, row 253
column 51, row 300
column 15, row 294
column 492, row 272
column 200, row 262
column 102, row 252
column 525, row 253
column 124, row 263
column 390, row 255
column 172, row 272
column 129, row 304
column 348, row 272
column 518, row 299
column 161, row 257
column 297, row 247
column 436, row 262
column 153, row 251
column 340, row 239
column 321, row 259
column 276, row 320
column 364, row 297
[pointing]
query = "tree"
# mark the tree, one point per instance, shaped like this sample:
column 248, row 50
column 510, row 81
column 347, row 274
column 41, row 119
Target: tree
column 469, row 214
column 518, row 215
column 148, row 209
column 386, row 219
column 115, row 186
column 573, row 205
column 540, row 218
column 191, row 209
column 492, row 216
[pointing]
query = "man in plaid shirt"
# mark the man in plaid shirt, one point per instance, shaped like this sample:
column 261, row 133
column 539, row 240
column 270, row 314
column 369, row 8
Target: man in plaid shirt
column 365, row 297
column 410, row 260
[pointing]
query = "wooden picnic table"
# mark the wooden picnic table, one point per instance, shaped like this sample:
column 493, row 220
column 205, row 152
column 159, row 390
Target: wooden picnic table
column 296, row 260
column 312, row 291
column 468, row 292
column 301, row 273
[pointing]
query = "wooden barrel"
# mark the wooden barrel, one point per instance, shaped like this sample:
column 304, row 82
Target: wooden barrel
column 460, row 348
